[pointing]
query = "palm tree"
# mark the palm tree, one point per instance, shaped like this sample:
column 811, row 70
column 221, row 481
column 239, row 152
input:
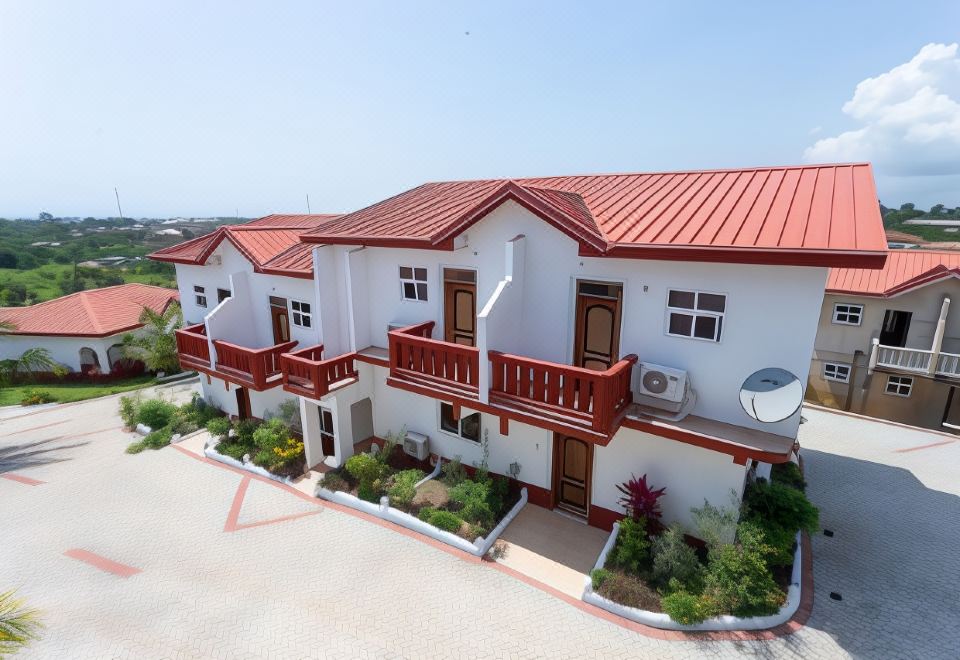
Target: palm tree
column 30, row 361
column 156, row 344
column 18, row 625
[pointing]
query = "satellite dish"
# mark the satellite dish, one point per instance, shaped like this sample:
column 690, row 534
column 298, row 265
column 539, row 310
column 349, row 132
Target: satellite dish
column 771, row 395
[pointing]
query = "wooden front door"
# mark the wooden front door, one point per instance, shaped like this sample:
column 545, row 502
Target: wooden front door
column 327, row 433
column 279, row 319
column 460, row 306
column 597, row 333
column 573, row 463
column 243, row 403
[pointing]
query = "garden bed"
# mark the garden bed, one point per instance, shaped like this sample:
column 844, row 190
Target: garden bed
column 744, row 575
column 466, row 512
column 270, row 448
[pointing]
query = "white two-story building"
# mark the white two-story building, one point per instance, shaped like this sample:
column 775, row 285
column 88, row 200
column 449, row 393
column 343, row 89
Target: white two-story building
column 587, row 327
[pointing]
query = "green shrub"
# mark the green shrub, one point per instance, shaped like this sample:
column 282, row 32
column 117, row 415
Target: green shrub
column 473, row 498
column 628, row 590
column 598, row 576
column 632, row 549
column 389, row 444
column 738, row 578
column 157, row 439
column 219, row 427
column 200, row 412
column 497, row 495
column 685, row 607
column 272, row 433
column 454, row 472
column 674, row 559
column 717, row 525
column 155, row 413
column 369, row 471
column 403, row 489
column 181, row 422
column 441, row 519
column 33, row 397
column 779, row 505
column 334, row 481
column 135, row 447
column 233, row 450
column 788, row 474
column 244, row 430
column 129, row 410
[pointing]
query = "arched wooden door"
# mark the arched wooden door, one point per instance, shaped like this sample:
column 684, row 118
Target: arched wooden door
column 597, row 333
column 573, row 460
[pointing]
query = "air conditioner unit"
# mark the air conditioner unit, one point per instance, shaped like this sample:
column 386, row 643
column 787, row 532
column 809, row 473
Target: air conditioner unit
column 662, row 382
column 416, row 445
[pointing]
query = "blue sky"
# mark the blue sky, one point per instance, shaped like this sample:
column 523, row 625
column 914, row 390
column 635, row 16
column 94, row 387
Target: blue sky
column 205, row 108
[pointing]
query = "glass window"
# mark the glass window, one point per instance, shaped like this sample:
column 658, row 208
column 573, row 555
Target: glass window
column 301, row 313
column 467, row 427
column 199, row 295
column 899, row 385
column 836, row 371
column 847, row 314
column 413, row 283
column 695, row 314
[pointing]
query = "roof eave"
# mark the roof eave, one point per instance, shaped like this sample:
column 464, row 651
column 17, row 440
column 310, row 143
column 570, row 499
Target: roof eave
column 869, row 259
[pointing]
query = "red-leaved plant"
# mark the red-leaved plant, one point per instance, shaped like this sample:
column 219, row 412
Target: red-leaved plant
column 640, row 500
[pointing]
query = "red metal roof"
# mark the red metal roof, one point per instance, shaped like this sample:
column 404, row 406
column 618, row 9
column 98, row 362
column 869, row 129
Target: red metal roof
column 260, row 241
column 93, row 313
column 904, row 270
column 824, row 215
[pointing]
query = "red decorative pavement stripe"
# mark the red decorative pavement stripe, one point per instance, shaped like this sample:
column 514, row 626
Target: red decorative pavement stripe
column 935, row 444
column 104, row 564
column 232, row 524
column 35, row 428
column 22, row 479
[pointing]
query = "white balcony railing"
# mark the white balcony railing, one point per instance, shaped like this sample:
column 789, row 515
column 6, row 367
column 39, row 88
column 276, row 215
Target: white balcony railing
column 948, row 364
column 904, row 359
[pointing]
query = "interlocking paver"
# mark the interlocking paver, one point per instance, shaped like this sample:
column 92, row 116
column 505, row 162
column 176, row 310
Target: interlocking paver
column 332, row 585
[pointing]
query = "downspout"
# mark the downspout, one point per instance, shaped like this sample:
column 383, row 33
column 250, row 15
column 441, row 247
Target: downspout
column 938, row 337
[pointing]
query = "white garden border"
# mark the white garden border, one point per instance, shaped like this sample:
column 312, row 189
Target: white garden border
column 725, row 622
column 210, row 451
column 480, row 546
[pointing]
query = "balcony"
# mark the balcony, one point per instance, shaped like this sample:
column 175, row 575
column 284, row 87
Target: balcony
column 451, row 368
column 306, row 373
column 915, row 361
column 192, row 347
column 572, row 396
column 256, row 368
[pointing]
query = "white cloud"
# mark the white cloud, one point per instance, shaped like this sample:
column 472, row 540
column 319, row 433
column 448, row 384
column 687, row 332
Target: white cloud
column 910, row 118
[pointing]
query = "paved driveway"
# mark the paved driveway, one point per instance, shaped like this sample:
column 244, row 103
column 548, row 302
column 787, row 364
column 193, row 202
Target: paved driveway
column 193, row 560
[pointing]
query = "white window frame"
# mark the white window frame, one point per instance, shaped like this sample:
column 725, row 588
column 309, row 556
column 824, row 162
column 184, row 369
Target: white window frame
column 298, row 315
column 200, row 295
column 849, row 309
column 899, row 386
column 332, row 433
column 463, row 416
column 695, row 313
column 836, row 368
column 415, row 282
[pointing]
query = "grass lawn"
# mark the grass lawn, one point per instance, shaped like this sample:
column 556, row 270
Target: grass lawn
column 43, row 282
column 66, row 392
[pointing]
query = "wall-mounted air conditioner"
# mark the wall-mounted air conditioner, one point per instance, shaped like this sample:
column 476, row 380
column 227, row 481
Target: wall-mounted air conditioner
column 416, row 445
column 662, row 382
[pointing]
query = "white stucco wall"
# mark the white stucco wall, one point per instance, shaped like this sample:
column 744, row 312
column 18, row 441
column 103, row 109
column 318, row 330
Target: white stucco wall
column 223, row 395
column 65, row 350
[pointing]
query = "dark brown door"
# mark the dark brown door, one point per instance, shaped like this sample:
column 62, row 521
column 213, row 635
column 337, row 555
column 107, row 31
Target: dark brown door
column 460, row 306
column 279, row 319
column 243, row 403
column 597, row 333
column 574, row 461
column 326, row 432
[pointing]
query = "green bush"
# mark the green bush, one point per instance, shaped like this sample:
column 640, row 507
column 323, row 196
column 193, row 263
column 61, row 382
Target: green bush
column 135, row 447
column 219, row 427
column 441, row 519
column 369, row 471
column 780, row 505
column 674, row 559
column 155, row 413
column 200, row 412
column 685, row 607
column 738, row 578
column 129, row 410
column 244, row 430
column 598, row 576
column 632, row 549
column 788, row 474
column 454, row 472
column 233, row 450
column 717, row 525
column 181, row 422
column 33, row 397
column 403, row 489
column 270, row 434
column 153, row 440
column 628, row 590
column 473, row 498
column 334, row 481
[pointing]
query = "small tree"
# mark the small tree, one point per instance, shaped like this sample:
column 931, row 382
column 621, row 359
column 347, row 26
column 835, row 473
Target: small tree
column 32, row 360
column 156, row 344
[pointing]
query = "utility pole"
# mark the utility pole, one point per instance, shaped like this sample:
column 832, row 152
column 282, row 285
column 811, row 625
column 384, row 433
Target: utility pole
column 308, row 203
column 118, row 203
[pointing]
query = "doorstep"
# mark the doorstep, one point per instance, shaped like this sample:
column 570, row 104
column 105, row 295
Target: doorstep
column 552, row 548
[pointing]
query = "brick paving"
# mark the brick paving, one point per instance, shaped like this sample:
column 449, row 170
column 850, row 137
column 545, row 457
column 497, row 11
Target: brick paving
column 332, row 585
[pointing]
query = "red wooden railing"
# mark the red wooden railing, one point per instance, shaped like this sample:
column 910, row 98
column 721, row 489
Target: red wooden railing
column 192, row 347
column 306, row 372
column 250, row 366
column 594, row 399
column 414, row 356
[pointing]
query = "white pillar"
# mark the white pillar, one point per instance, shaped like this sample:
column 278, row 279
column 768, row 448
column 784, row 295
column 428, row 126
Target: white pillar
column 938, row 336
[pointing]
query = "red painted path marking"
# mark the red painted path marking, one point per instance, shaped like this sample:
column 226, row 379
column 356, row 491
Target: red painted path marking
column 22, row 479
column 34, row 428
column 930, row 446
column 104, row 564
column 232, row 524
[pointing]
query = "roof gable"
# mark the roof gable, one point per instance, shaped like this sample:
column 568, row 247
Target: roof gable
column 904, row 270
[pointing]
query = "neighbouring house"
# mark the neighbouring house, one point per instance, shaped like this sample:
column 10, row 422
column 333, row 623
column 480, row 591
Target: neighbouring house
column 82, row 331
column 887, row 344
column 583, row 328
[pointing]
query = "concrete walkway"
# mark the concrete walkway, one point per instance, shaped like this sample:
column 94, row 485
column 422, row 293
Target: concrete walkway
column 162, row 555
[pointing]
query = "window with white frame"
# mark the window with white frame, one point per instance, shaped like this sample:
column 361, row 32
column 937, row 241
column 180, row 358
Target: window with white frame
column 200, row 296
column 695, row 314
column 301, row 313
column 413, row 283
column 467, row 427
column 847, row 314
column 836, row 371
column 899, row 385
